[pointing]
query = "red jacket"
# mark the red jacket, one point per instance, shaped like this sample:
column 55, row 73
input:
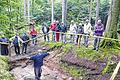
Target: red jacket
column 53, row 26
column 33, row 32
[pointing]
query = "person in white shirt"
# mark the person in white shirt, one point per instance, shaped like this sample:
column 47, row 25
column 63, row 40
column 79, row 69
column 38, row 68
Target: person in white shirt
column 16, row 42
column 72, row 30
column 87, row 31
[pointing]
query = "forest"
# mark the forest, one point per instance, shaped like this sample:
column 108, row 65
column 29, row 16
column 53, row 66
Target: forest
column 67, row 60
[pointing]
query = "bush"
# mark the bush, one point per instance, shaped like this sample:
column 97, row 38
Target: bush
column 4, row 69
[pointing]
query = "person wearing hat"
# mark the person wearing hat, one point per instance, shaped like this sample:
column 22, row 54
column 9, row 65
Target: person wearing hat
column 99, row 29
column 4, row 47
column 79, row 30
column 72, row 31
column 38, row 63
column 25, row 38
column 87, row 31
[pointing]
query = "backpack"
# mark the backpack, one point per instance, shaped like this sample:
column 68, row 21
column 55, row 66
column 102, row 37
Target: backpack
column 15, row 41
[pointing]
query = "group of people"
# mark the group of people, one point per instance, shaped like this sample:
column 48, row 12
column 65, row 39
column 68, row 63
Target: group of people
column 16, row 40
column 76, row 30
column 58, row 34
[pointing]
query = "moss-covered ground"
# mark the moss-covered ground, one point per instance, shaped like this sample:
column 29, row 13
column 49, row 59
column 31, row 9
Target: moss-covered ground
column 4, row 69
column 105, row 55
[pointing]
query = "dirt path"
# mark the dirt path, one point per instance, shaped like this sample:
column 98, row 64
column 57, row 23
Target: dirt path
column 50, row 71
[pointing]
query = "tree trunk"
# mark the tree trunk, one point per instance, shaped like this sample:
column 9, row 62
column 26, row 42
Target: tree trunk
column 97, row 10
column 28, row 10
column 52, row 18
column 90, row 10
column 64, row 11
column 25, row 13
column 112, row 22
column 33, row 5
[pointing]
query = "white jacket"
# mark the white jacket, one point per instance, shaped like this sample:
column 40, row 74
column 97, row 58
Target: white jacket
column 87, row 28
column 72, row 28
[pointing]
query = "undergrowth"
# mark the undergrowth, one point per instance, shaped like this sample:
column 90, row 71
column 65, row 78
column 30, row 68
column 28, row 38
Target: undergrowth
column 87, row 53
column 4, row 69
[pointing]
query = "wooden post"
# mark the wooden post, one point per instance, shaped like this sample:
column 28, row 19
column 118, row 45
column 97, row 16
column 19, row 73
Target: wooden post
column 115, row 72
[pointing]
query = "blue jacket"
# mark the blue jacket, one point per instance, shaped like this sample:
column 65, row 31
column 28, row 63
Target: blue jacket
column 38, row 59
column 63, row 28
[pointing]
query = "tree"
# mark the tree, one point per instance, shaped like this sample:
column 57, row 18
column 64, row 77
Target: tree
column 97, row 10
column 90, row 10
column 112, row 22
column 52, row 18
column 64, row 11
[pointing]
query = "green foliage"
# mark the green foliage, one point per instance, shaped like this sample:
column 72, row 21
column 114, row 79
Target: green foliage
column 110, row 67
column 67, row 47
column 54, row 44
column 90, row 54
column 4, row 69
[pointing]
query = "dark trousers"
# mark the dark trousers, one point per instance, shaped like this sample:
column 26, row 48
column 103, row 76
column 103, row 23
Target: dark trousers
column 46, row 36
column 63, row 38
column 37, row 71
column 86, row 37
column 96, row 43
column 53, row 36
column 4, row 49
column 24, row 48
column 72, row 37
column 78, row 38
column 34, row 41
column 17, row 49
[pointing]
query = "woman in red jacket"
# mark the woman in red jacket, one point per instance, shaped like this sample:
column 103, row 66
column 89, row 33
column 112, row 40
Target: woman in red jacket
column 33, row 34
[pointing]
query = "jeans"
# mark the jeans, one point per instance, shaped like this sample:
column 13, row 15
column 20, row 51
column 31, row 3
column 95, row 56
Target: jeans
column 96, row 43
column 24, row 48
column 86, row 39
column 34, row 40
column 17, row 49
column 46, row 36
column 37, row 71
column 63, row 38
column 53, row 36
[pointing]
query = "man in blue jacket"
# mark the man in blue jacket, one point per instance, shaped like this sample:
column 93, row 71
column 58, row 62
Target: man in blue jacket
column 38, row 63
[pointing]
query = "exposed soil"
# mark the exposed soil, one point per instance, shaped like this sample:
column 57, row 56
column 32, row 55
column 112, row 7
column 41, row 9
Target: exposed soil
column 50, row 71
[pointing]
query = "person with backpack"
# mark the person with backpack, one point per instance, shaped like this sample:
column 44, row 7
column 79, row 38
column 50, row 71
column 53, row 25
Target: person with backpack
column 63, row 30
column 53, row 29
column 4, row 47
column 25, row 38
column 45, row 30
column 16, row 42
column 38, row 63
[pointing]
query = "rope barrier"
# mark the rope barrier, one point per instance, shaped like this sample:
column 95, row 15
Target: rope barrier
column 67, row 34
